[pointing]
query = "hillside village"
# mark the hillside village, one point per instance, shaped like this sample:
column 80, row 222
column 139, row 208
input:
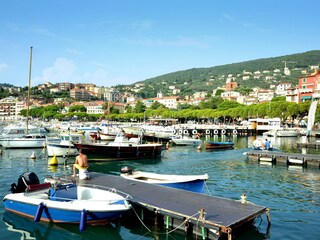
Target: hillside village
column 93, row 97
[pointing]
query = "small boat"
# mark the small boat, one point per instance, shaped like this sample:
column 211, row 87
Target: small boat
column 218, row 145
column 259, row 144
column 194, row 183
column 186, row 141
column 63, row 146
column 68, row 203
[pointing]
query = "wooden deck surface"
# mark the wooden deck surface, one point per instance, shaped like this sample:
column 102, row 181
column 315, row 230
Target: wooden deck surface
column 220, row 212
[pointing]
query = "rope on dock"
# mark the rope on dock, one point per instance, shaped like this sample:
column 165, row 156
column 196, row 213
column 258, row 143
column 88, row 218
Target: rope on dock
column 176, row 228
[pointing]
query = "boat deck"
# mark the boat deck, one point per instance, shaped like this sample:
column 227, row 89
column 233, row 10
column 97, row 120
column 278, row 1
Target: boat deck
column 220, row 213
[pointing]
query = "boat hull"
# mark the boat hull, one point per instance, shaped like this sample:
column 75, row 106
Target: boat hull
column 70, row 207
column 187, row 142
column 194, row 183
column 219, row 145
column 56, row 149
column 23, row 143
column 98, row 151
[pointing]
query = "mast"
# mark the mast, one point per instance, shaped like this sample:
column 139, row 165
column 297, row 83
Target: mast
column 29, row 85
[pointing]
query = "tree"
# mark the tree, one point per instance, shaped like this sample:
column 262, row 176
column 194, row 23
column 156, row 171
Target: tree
column 77, row 108
column 139, row 107
column 156, row 105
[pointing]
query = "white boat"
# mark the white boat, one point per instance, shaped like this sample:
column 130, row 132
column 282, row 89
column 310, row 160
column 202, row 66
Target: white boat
column 26, row 141
column 65, row 204
column 19, row 130
column 64, row 145
column 282, row 133
column 186, row 140
column 195, row 183
column 259, row 144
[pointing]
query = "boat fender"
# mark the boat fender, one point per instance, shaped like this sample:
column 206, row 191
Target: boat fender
column 223, row 131
column 207, row 131
column 216, row 132
column 243, row 198
column 180, row 131
column 235, row 132
column 83, row 220
column 186, row 131
column 39, row 211
column 194, row 131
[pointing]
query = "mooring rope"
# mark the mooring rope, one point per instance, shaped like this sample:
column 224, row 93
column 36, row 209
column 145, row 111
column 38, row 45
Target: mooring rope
column 171, row 231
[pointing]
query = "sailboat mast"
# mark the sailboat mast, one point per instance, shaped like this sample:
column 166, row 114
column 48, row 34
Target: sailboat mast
column 29, row 85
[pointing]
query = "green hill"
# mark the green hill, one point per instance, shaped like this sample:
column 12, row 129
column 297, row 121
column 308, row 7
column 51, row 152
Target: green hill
column 207, row 79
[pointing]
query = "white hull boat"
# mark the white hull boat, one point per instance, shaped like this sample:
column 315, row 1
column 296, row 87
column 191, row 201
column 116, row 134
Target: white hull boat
column 194, row 183
column 64, row 146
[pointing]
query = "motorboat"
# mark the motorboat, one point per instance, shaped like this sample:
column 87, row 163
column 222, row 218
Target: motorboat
column 186, row 140
column 63, row 146
column 121, row 148
column 194, row 183
column 282, row 133
column 68, row 203
column 26, row 141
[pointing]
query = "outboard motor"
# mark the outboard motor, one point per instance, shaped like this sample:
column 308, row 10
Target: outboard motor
column 126, row 170
column 24, row 180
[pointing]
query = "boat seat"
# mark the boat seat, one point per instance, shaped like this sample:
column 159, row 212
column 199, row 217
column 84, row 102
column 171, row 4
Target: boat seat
column 35, row 187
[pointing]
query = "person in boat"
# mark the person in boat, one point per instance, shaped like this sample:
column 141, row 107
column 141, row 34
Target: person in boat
column 81, row 163
column 267, row 144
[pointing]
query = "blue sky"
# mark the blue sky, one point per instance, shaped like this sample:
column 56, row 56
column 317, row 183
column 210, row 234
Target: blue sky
column 125, row 41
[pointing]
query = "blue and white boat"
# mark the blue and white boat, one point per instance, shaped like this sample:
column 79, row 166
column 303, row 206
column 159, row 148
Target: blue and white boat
column 67, row 204
column 194, row 183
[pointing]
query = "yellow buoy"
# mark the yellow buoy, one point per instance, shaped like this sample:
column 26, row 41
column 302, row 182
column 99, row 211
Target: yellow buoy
column 33, row 155
column 53, row 161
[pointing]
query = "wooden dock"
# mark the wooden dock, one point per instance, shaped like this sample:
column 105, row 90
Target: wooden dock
column 215, row 217
column 273, row 157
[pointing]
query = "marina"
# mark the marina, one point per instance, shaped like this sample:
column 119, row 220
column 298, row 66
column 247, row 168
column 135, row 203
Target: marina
column 276, row 187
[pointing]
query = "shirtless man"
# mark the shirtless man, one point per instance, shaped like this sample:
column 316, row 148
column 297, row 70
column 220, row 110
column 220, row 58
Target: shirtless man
column 80, row 163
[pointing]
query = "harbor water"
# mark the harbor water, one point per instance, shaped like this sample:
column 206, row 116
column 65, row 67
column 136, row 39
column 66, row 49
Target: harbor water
column 291, row 193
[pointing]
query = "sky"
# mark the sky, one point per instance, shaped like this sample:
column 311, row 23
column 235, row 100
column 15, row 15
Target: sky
column 111, row 42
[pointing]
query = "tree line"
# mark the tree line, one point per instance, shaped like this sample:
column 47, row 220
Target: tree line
column 213, row 110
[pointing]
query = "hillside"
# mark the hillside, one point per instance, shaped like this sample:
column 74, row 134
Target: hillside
column 207, row 79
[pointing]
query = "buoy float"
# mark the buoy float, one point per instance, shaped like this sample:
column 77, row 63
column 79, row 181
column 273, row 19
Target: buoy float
column 53, row 161
column 223, row 131
column 39, row 211
column 33, row 155
column 243, row 198
column 216, row 132
column 83, row 221
column 235, row 132
column 194, row 131
column 208, row 132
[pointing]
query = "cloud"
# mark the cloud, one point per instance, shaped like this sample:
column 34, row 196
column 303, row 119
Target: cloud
column 63, row 70
column 3, row 67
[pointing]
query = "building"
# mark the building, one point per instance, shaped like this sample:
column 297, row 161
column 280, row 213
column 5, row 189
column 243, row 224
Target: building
column 80, row 94
column 10, row 108
column 309, row 86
